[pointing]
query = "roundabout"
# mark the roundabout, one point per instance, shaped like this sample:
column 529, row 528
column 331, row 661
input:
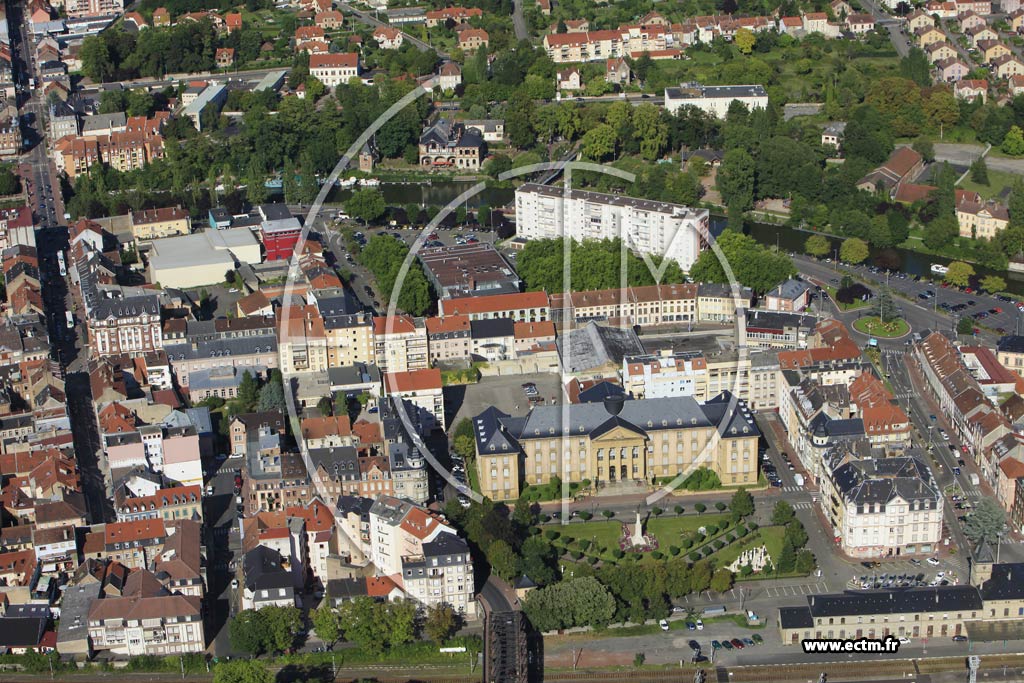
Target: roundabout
column 890, row 329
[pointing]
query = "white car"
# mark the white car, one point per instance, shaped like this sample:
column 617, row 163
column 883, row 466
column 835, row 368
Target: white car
column 700, row 625
column 234, row 583
column 904, row 640
column 663, row 624
column 933, row 561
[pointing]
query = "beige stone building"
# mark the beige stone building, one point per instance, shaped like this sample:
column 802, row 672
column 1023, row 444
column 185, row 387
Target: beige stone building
column 979, row 219
column 636, row 440
column 156, row 223
column 400, row 343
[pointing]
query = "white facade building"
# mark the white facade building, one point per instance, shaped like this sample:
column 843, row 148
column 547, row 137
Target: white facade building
column 714, row 99
column 648, row 227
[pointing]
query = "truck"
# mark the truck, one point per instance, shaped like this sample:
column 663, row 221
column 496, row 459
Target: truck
column 799, row 478
column 974, row 478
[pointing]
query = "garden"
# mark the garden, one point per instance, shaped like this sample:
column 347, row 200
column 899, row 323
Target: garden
column 876, row 327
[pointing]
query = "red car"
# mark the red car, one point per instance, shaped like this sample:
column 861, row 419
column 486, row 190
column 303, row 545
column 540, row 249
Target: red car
column 737, row 643
column 968, row 290
column 963, row 448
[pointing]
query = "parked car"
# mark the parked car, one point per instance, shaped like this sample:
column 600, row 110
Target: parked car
column 737, row 643
column 663, row 624
column 933, row 561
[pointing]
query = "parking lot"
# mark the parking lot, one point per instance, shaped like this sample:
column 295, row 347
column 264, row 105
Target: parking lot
column 504, row 393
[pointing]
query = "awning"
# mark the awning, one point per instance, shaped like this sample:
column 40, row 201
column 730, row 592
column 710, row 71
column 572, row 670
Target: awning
column 990, row 631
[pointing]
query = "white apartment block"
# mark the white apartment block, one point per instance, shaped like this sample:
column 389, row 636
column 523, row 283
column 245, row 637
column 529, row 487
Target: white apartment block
column 648, row 227
column 715, row 99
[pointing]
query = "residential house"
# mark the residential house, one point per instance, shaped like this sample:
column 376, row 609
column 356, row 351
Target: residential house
column 334, row 69
column 450, row 76
column 388, row 38
column 472, row 38
column 225, row 57
column 978, row 219
column 617, row 71
column 952, row 69
column 1007, row 65
column 971, row 89
column 448, row 143
column 568, row 79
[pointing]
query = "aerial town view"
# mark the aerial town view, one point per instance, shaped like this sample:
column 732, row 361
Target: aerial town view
column 512, row 341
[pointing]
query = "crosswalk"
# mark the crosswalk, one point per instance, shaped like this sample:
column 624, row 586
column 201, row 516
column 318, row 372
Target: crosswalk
column 803, row 506
column 792, row 489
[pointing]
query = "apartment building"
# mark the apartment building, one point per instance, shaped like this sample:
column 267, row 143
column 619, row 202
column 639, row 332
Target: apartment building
column 168, row 504
column 400, row 343
column 422, row 394
column 521, row 307
column 152, row 224
column 619, row 440
column 151, row 625
column 449, row 339
column 979, row 219
column 660, row 229
column 590, row 46
column 334, row 69
column 715, row 99
column 648, row 305
column 882, row 507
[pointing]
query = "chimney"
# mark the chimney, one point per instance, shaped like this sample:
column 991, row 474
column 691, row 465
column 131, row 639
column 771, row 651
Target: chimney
column 812, row 601
column 614, row 404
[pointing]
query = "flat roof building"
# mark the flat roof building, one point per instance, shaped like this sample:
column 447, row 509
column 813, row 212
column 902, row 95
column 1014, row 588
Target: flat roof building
column 715, row 99
column 468, row 270
column 201, row 258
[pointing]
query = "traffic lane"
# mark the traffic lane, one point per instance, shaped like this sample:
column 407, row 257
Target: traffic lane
column 911, row 288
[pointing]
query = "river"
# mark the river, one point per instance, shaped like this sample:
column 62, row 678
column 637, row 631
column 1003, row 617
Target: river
column 903, row 260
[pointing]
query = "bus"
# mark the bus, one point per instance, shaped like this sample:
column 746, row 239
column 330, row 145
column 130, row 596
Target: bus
column 60, row 263
column 71, row 319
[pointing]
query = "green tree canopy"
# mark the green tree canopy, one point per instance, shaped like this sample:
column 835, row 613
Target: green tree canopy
column 986, row 522
column 751, row 263
column 242, row 671
column 959, row 274
column 817, row 245
column 367, row 205
column 577, row 602
column 853, row 250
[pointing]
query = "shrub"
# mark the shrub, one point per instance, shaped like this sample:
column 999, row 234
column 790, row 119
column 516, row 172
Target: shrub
column 712, row 530
column 678, row 509
column 618, row 554
column 586, row 516
column 742, row 531
column 720, row 506
column 694, row 556
column 730, row 538
column 658, row 555
column 718, row 545
column 638, row 659
column 752, row 525
column 687, row 543
column 584, row 544
column 576, row 555
column 673, row 550
column 551, row 534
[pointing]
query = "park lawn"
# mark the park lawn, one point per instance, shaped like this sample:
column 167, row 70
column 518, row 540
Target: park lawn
column 770, row 536
column 666, row 528
column 845, row 307
column 997, row 182
column 873, row 326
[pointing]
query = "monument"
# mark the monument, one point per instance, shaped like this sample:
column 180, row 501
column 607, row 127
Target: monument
column 637, row 539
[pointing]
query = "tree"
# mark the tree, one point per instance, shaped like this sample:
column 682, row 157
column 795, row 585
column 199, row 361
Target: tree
column 787, row 558
column 751, row 263
column 783, row 513
column 993, row 284
column 700, row 508
column 736, row 179
column 745, row 40
column 721, row 580
column 795, row 534
column 279, row 625
column 366, row 204
column 941, row 231
column 942, row 110
column 582, row 601
column 979, row 171
column 965, row 325
column 1013, row 143
column 804, row 561
column 854, row 250
column 884, row 306
column 741, row 504
column 326, row 623
column 502, row 559
column 650, row 129
column 245, row 632
column 986, row 523
column 959, row 274
column 272, row 394
column 599, row 142
column 248, row 393
column 817, row 246
column 440, row 623
column 242, row 671
column 925, row 148
column 642, row 66
column 9, row 183
column 325, row 406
